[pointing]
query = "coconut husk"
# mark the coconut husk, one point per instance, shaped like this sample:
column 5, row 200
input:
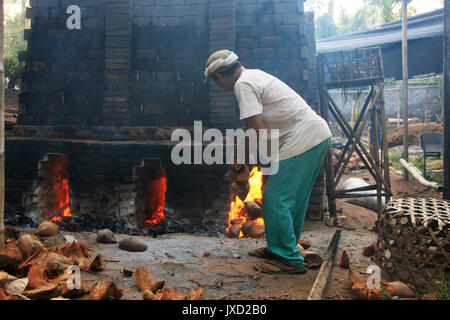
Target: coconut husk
column 28, row 244
column 10, row 259
column 402, row 290
column 34, row 258
column 77, row 252
column 305, row 244
column 195, row 293
column 3, row 275
column 36, row 276
column 104, row 291
column 171, row 294
column 145, row 281
column 234, row 231
column 47, row 229
column 375, row 294
column 344, row 259
column 96, row 264
column 149, row 295
column 3, row 295
column 354, row 277
column 430, row 296
column 50, row 268
column 257, row 231
column 360, row 290
column 369, row 250
column 236, row 221
column 254, row 210
column 45, row 292
column 106, row 236
column 11, row 233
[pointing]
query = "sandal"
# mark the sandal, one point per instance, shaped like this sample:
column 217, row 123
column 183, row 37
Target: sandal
column 278, row 267
column 262, row 253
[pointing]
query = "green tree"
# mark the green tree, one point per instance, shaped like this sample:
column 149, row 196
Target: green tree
column 14, row 42
column 325, row 26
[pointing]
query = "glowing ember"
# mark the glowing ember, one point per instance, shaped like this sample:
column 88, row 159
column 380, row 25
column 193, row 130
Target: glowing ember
column 156, row 197
column 237, row 205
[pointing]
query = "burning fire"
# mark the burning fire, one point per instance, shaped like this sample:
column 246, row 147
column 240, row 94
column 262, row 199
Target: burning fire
column 61, row 192
column 255, row 194
column 156, row 198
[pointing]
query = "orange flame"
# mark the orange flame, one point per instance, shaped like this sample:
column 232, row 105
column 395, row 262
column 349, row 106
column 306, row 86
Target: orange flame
column 156, row 197
column 255, row 194
column 61, row 192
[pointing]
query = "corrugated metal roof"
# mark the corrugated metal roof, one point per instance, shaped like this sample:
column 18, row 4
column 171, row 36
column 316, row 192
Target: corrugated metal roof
column 426, row 25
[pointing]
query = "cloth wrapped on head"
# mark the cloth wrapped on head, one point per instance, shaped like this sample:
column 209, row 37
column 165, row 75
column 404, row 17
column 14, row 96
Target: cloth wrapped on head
column 220, row 61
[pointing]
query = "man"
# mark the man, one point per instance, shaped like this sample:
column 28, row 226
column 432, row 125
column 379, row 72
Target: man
column 266, row 102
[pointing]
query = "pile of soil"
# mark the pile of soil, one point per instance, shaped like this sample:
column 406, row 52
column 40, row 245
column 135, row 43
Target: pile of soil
column 395, row 137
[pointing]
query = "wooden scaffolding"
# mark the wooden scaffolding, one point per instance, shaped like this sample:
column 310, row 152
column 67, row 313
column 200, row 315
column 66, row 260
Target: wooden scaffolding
column 356, row 69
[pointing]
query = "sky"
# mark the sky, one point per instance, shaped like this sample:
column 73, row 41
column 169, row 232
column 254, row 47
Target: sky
column 421, row 5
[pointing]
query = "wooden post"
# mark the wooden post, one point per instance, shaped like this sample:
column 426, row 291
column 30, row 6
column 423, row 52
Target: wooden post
column 2, row 131
column 329, row 157
column 446, row 104
column 405, row 81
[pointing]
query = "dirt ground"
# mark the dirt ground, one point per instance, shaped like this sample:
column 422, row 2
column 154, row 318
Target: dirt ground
column 227, row 272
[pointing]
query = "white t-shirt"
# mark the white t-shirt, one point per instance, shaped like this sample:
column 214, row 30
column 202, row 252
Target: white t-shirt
column 300, row 128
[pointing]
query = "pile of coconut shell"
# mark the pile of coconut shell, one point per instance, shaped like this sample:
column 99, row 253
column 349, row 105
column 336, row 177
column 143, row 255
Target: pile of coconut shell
column 35, row 270
column 395, row 290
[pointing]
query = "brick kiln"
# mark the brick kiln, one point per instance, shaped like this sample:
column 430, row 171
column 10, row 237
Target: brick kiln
column 98, row 104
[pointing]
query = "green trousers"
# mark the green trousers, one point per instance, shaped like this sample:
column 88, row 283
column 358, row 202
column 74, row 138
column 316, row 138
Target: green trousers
column 285, row 201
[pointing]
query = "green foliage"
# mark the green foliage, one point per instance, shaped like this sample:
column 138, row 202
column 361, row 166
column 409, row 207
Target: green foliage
column 371, row 14
column 13, row 39
column 442, row 288
column 384, row 295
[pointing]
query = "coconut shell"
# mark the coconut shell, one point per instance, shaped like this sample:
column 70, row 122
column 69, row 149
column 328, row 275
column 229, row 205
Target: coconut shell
column 312, row 259
column 145, row 281
column 28, row 245
column 344, row 259
column 254, row 210
column 234, row 231
column 106, row 236
column 430, row 296
column 402, row 290
column 96, row 264
column 369, row 250
column 44, row 293
column 73, row 293
column 10, row 259
column 149, row 295
column 130, row 244
column 47, row 229
column 257, row 231
column 305, row 244
column 195, row 293
column 246, row 227
column 171, row 294
column 105, row 291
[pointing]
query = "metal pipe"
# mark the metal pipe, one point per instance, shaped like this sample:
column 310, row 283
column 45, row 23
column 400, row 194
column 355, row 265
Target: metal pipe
column 418, row 176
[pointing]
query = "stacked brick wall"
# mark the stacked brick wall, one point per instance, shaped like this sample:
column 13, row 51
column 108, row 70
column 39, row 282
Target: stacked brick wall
column 63, row 82
column 271, row 35
column 170, row 46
